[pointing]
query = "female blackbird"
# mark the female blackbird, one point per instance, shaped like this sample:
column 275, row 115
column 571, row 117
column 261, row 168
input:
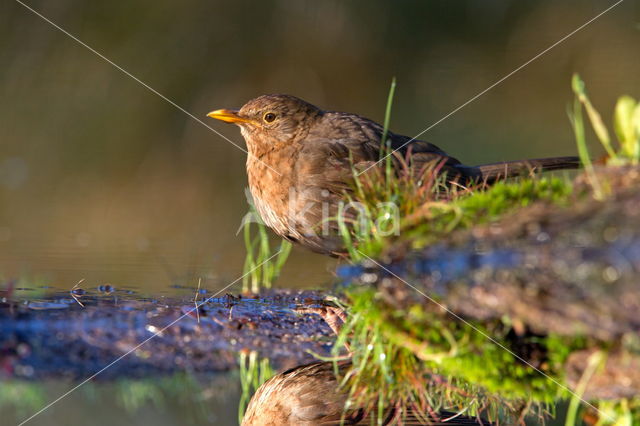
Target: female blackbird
column 301, row 162
column 311, row 395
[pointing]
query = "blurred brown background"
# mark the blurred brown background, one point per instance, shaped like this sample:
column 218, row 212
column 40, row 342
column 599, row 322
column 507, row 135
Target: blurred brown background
column 102, row 179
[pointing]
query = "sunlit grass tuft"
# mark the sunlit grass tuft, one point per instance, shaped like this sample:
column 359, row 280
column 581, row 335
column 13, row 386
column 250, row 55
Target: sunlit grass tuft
column 253, row 373
column 626, row 124
column 423, row 211
column 263, row 263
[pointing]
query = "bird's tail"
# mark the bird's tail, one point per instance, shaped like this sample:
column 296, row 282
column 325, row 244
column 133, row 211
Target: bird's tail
column 490, row 173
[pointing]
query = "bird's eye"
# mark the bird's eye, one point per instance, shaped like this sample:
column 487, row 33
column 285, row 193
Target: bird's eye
column 269, row 117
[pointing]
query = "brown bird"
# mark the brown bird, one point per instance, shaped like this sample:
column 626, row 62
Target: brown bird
column 310, row 395
column 301, row 162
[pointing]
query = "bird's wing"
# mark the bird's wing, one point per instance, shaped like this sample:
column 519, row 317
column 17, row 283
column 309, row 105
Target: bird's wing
column 356, row 140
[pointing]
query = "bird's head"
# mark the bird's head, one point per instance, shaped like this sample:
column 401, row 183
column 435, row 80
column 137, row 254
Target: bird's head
column 271, row 119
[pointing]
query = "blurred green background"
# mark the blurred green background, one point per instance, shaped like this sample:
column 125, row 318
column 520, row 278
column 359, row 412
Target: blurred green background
column 102, row 179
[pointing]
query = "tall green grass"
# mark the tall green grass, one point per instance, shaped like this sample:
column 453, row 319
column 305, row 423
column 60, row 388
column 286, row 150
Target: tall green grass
column 253, row 373
column 626, row 125
column 385, row 143
column 263, row 263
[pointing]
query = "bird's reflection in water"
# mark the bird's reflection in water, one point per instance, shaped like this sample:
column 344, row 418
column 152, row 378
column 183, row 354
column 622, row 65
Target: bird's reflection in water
column 310, row 395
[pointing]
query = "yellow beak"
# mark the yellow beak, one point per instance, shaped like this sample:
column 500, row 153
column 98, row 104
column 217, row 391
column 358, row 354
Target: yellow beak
column 227, row 115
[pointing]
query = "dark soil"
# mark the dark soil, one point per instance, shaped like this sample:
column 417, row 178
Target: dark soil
column 58, row 337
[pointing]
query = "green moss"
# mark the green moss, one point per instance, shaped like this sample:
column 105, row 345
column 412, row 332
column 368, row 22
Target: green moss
column 416, row 354
column 486, row 206
column 426, row 220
